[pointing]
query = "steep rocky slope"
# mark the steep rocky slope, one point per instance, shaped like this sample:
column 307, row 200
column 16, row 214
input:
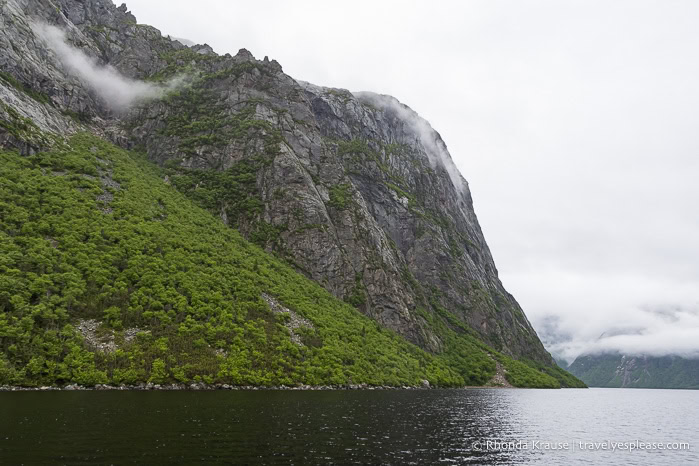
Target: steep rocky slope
column 356, row 191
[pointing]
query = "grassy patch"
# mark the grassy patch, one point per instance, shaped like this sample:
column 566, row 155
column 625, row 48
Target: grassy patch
column 340, row 196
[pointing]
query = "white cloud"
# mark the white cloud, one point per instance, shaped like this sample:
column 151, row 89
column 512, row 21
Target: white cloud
column 118, row 91
column 579, row 313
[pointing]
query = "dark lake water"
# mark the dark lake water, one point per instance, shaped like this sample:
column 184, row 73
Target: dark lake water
column 347, row 427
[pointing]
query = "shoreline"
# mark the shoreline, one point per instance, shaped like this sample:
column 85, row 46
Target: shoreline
column 199, row 386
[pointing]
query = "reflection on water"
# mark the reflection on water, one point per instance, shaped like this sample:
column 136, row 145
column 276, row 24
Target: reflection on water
column 345, row 427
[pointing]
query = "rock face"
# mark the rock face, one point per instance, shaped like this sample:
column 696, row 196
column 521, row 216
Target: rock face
column 357, row 191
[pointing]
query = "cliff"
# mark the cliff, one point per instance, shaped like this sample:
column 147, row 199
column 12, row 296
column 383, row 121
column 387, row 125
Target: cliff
column 353, row 190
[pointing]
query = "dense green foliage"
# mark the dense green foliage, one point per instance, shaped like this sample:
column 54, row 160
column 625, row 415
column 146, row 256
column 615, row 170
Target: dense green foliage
column 232, row 191
column 476, row 362
column 88, row 231
column 520, row 374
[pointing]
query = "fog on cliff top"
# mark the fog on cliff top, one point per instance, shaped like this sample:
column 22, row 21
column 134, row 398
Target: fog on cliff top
column 574, row 123
column 434, row 147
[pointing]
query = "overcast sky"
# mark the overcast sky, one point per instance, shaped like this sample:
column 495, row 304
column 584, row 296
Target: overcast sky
column 576, row 124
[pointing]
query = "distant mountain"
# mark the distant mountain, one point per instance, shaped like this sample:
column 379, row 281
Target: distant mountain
column 624, row 371
column 562, row 363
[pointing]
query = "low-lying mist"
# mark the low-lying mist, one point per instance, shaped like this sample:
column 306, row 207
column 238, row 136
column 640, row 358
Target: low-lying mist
column 648, row 332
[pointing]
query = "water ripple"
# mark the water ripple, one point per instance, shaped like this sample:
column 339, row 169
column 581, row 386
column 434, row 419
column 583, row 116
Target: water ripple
column 346, row 427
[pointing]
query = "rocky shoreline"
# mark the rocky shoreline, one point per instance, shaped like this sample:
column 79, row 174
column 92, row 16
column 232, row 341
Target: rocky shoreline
column 200, row 386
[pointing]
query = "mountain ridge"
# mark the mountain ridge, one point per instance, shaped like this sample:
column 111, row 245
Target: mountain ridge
column 618, row 370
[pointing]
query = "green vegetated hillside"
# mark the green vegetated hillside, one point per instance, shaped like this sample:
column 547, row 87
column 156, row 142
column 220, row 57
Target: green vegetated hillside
column 92, row 235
